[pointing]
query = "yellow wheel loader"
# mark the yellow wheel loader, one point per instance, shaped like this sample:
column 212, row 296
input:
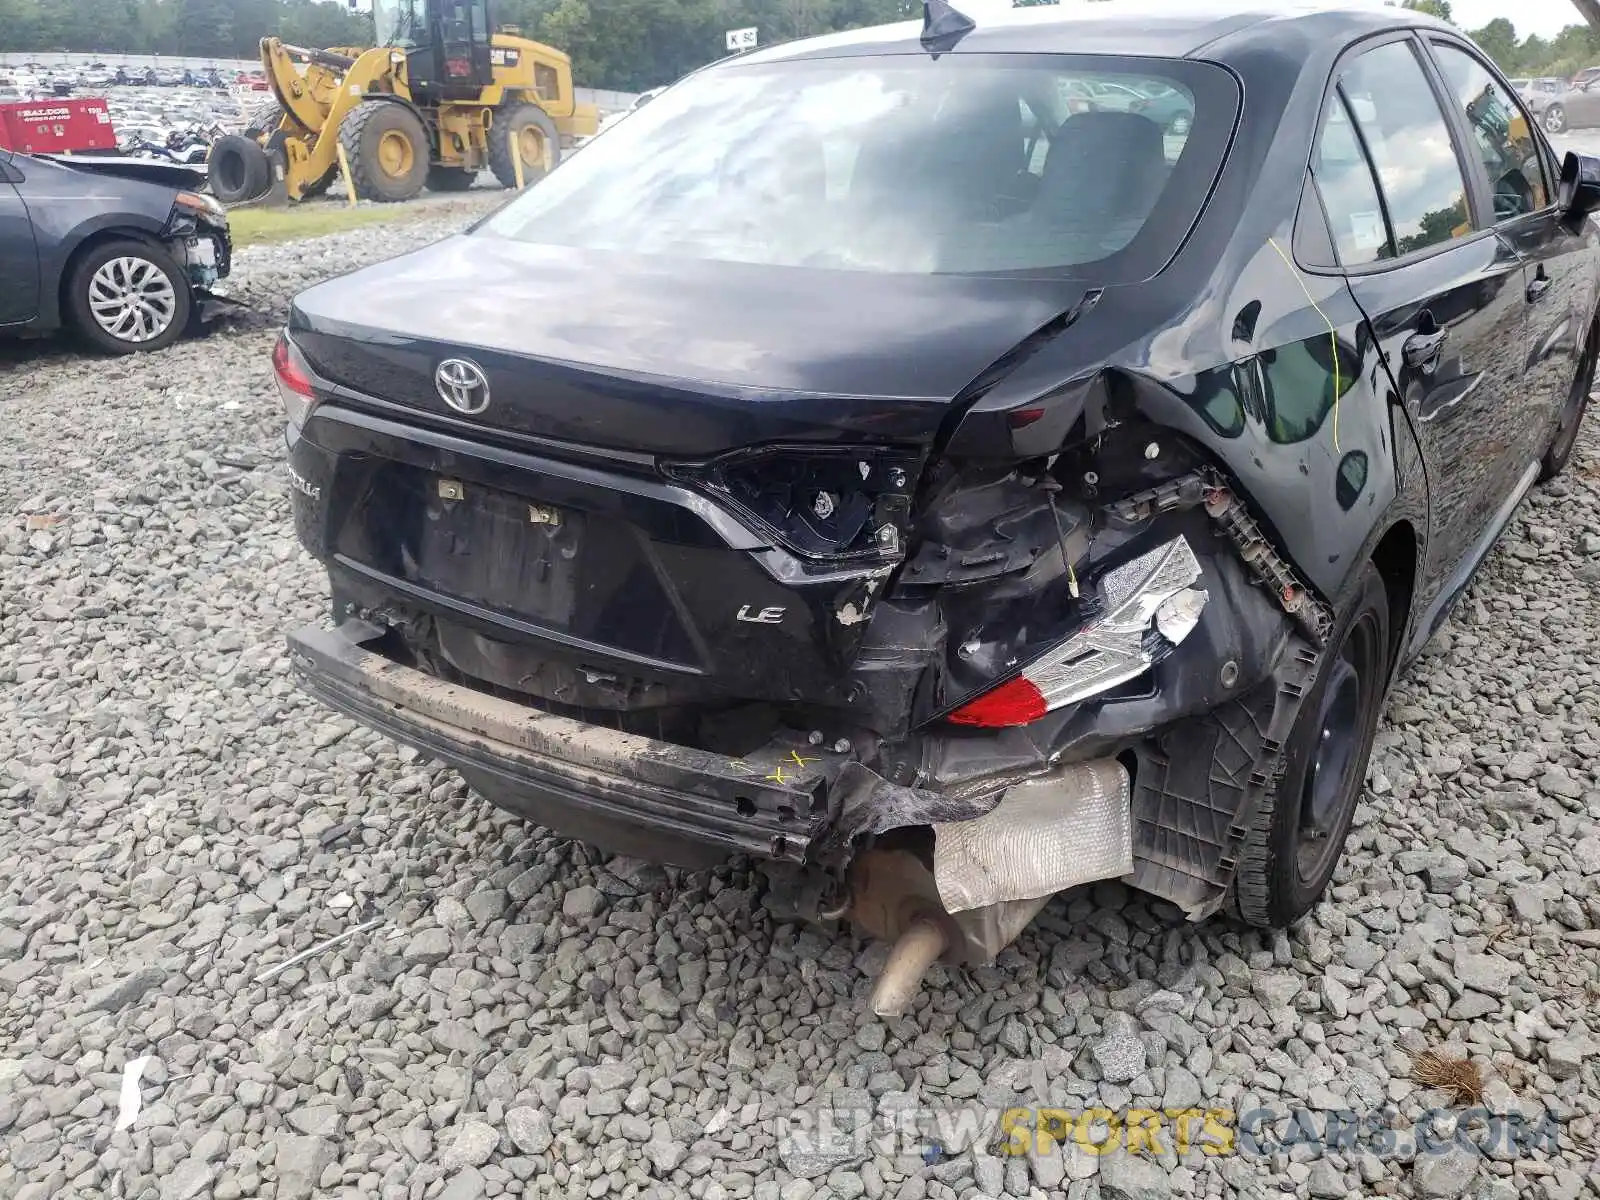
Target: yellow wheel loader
column 437, row 100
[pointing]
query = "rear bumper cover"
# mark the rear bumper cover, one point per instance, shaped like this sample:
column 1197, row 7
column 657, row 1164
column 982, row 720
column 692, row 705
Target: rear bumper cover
column 673, row 802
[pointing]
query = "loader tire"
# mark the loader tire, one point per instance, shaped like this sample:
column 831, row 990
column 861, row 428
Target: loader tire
column 238, row 169
column 527, row 127
column 450, row 179
column 388, row 150
column 263, row 118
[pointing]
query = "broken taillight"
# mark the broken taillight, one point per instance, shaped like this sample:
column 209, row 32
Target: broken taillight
column 1147, row 605
column 293, row 377
column 1015, row 702
column 821, row 501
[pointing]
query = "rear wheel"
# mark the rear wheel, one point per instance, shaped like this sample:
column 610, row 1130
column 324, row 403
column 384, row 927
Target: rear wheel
column 1555, row 119
column 387, row 147
column 126, row 296
column 525, row 131
column 238, row 169
column 450, row 179
column 1566, row 437
column 1299, row 830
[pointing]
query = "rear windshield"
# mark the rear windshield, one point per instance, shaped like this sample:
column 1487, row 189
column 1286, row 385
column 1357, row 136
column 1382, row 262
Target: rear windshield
column 974, row 163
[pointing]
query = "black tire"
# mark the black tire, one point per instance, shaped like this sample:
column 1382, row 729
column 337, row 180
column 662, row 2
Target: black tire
column 238, row 169
column 81, row 303
column 1554, row 119
column 1298, row 833
column 450, row 179
column 264, row 118
column 519, row 123
column 372, row 136
column 277, row 151
column 1559, row 454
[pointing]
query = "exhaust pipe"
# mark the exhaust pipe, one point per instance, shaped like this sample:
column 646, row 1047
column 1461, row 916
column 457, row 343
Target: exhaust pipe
column 986, row 879
column 918, row 948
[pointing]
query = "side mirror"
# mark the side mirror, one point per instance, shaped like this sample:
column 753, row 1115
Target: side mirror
column 1578, row 193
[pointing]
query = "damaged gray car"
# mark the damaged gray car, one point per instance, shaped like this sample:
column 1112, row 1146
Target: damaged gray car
column 867, row 459
column 122, row 252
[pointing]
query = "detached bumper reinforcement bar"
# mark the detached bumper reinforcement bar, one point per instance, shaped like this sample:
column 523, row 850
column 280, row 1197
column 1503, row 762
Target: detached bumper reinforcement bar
column 572, row 776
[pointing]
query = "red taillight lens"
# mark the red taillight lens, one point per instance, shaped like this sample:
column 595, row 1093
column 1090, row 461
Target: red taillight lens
column 294, row 381
column 1016, row 702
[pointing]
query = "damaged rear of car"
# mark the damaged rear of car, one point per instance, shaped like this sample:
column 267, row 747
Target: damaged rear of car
column 867, row 460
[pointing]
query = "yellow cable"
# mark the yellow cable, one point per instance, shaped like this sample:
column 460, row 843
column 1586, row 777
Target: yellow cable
column 1333, row 337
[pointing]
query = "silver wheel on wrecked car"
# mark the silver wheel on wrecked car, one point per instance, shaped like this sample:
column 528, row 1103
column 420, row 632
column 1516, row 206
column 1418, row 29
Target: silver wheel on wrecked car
column 129, row 296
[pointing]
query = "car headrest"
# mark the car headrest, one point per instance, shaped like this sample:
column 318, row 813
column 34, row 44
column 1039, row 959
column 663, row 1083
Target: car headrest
column 1105, row 162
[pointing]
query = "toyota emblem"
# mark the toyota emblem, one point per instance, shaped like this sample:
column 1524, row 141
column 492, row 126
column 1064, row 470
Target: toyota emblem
column 462, row 385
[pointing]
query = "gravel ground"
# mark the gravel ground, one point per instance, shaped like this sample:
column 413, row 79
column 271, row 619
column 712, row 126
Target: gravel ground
column 510, row 1015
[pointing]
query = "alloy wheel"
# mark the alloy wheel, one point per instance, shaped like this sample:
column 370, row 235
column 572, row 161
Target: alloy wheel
column 1555, row 120
column 132, row 299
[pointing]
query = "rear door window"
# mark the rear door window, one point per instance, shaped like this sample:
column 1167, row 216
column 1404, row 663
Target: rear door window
column 1502, row 134
column 1392, row 103
column 1344, row 178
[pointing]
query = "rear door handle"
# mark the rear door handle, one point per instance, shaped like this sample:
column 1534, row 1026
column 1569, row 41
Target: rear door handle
column 1422, row 350
column 1538, row 286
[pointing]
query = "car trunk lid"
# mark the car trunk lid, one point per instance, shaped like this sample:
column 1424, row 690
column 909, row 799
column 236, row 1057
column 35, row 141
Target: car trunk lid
column 668, row 357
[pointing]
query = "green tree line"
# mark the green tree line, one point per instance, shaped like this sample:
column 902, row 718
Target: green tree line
column 193, row 28
column 1575, row 47
column 625, row 44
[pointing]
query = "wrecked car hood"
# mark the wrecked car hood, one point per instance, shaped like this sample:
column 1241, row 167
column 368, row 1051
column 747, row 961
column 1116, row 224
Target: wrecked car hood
column 670, row 356
column 164, row 174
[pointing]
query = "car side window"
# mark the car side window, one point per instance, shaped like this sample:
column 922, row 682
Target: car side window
column 1344, row 177
column 1393, row 105
column 1502, row 134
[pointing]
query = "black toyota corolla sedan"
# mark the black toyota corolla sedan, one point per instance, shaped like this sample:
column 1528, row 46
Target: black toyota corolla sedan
column 874, row 458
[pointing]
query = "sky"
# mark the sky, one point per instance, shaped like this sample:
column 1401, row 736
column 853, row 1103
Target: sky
column 1544, row 17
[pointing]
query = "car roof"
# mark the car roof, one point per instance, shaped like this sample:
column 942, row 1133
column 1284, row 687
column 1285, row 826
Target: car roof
column 1131, row 27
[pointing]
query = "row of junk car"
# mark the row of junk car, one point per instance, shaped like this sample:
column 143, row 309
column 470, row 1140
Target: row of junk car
column 164, row 113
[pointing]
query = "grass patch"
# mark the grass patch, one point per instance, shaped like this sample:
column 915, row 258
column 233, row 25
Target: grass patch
column 254, row 226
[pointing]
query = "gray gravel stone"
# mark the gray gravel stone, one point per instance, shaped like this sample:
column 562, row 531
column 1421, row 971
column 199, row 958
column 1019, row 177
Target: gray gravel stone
column 190, row 1178
column 583, row 902
column 529, row 1129
column 427, row 948
column 470, row 1144
column 1120, row 1057
column 130, row 989
column 1325, row 1181
column 300, row 1162
column 1126, row 1176
column 1446, row 1174
column 1487, row 973
column 1564, row 1057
